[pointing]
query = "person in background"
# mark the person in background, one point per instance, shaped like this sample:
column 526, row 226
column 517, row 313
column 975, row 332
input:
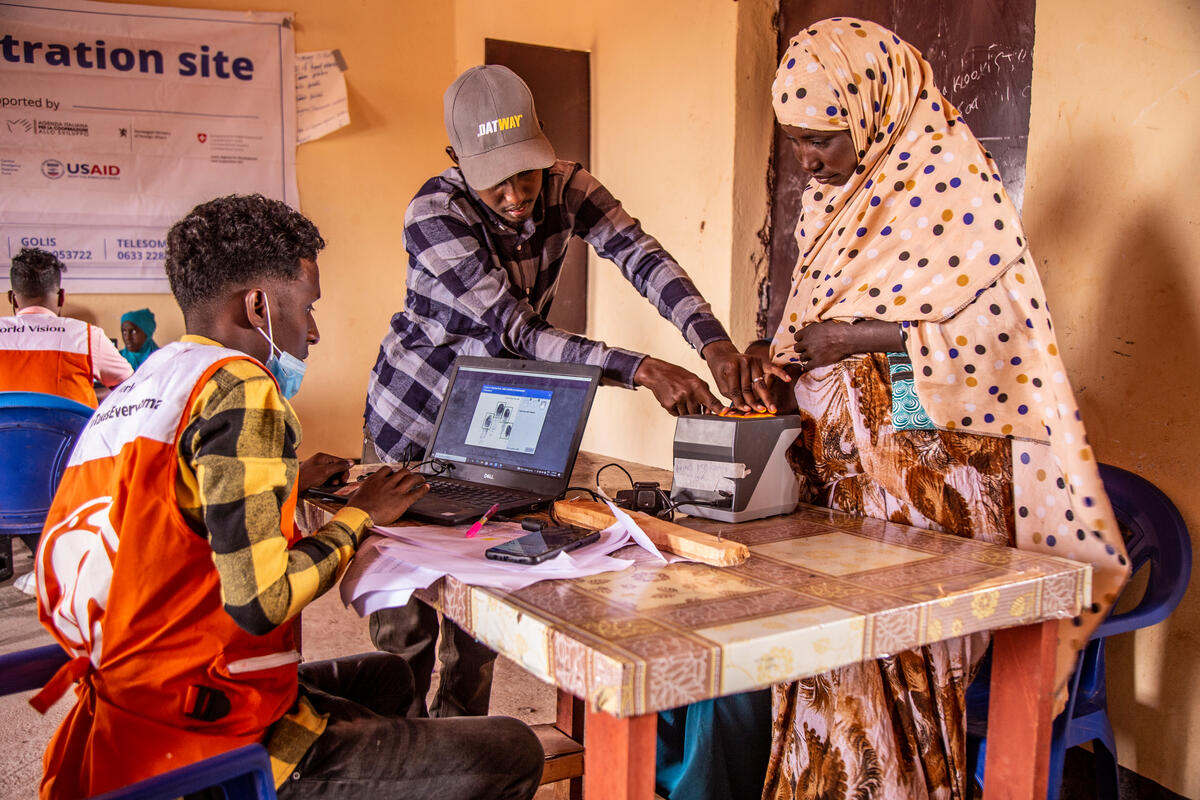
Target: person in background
column 174, row 575
column 43, row 352
column 486, row 241
column 926, row 370
column 137, row 331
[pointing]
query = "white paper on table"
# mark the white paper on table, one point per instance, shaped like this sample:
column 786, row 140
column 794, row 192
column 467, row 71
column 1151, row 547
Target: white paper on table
column 390, row 566
column 453, row 538
column 321, row 102
column 386, row 580
column 635, row 530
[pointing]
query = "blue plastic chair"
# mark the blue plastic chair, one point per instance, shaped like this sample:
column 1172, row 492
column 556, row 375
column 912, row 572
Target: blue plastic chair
column 37, row 433
column 1155, row 536
column 241, row 774
column 26, row 670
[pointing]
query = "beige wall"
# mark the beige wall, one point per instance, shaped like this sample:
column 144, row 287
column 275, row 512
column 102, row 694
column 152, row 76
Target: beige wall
column 754, row 123
column 355, row 184
column 1111, row 209
column 663, row 94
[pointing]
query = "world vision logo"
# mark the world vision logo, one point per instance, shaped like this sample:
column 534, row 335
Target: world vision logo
column 497, row 125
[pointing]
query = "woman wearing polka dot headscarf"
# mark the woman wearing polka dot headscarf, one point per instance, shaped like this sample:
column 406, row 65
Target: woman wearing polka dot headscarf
column 925, row 366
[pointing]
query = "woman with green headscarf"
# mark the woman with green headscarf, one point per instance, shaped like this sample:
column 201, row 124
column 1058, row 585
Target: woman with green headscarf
column 137, row 331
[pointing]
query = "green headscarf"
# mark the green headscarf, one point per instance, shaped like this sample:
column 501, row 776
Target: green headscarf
column 143, row 318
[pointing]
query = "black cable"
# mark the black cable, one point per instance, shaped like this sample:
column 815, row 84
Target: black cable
column 618, row 466
column 440, row 466
column 563, row 496
column 670, row 506
column 409, row 457
column 727, row 502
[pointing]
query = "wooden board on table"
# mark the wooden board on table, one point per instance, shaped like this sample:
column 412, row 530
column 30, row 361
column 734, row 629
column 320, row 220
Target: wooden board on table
column 702, row 547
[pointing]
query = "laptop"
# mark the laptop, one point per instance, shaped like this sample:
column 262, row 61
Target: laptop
column 507, row 435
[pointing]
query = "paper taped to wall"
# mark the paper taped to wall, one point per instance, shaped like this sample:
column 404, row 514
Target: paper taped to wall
column 321, row 102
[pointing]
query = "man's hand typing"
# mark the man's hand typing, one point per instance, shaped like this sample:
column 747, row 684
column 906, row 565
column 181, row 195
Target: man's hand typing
column 388, row 493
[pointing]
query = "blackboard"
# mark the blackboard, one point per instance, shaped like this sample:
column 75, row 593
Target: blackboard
column 982, row 56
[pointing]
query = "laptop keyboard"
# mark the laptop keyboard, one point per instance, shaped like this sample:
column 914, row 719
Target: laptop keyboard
column 473, row 494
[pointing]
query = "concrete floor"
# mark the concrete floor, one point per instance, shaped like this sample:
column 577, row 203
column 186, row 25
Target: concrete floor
column 330, row 630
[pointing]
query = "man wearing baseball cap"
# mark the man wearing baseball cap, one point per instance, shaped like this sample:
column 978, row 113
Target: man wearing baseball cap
column 486, row 241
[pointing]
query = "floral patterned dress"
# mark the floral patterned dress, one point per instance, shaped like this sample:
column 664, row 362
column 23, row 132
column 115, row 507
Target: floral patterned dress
column 891, row 728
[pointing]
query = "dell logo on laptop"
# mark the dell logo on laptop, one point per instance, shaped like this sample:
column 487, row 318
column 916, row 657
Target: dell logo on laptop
column 489, row 476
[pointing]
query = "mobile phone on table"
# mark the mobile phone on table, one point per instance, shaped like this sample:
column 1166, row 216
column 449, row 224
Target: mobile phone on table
column 539, row 546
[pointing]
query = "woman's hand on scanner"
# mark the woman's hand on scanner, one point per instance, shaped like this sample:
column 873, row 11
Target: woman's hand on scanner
column 782, row 397
column 744, row 379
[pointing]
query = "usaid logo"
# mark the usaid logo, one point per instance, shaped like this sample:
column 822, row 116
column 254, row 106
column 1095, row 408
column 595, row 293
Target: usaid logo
column 53, row 169
column 107, row 170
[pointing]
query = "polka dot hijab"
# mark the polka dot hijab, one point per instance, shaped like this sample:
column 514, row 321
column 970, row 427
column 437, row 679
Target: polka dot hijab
column 923, row 234
column 924, row 223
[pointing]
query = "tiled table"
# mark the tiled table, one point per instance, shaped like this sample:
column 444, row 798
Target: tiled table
column 820, row 590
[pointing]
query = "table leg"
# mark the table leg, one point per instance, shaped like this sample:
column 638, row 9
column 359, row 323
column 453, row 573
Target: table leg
column 1020, row 712
column 618, row 757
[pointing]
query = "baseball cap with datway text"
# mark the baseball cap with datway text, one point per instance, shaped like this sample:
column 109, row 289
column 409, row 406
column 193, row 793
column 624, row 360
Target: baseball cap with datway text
column 493, row 126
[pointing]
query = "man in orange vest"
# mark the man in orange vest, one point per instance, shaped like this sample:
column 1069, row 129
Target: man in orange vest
column 172, row 571
column 43, row 352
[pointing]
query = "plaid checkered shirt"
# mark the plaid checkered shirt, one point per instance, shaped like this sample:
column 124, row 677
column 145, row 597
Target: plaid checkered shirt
column 237, row 465
column 479, row 287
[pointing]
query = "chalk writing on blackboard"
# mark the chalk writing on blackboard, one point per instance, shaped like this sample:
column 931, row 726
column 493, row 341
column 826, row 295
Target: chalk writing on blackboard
column 991, row 74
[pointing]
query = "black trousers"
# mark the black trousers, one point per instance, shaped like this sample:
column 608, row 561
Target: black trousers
column 411, row 631
column 372, row 748
column 465, row 684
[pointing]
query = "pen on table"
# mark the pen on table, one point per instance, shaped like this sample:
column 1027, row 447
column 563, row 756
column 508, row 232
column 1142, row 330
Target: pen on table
column 474, row 529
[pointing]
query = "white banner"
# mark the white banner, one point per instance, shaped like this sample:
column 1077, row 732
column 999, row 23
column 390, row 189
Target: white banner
column 115, row 120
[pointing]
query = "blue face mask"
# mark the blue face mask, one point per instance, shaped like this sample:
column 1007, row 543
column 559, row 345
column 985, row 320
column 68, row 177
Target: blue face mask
column 287, row 369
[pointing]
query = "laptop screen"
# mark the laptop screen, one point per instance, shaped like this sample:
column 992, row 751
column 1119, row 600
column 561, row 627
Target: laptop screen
column 525, row 419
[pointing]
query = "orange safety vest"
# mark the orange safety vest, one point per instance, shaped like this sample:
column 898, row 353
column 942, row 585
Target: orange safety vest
column 45, row 353
column 165, row 677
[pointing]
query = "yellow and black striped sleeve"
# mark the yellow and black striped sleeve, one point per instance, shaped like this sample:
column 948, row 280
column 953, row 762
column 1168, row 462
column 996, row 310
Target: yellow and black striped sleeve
column 237, row 468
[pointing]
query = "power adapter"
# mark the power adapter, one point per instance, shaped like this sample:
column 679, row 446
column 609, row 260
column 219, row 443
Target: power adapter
column 645, row 496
